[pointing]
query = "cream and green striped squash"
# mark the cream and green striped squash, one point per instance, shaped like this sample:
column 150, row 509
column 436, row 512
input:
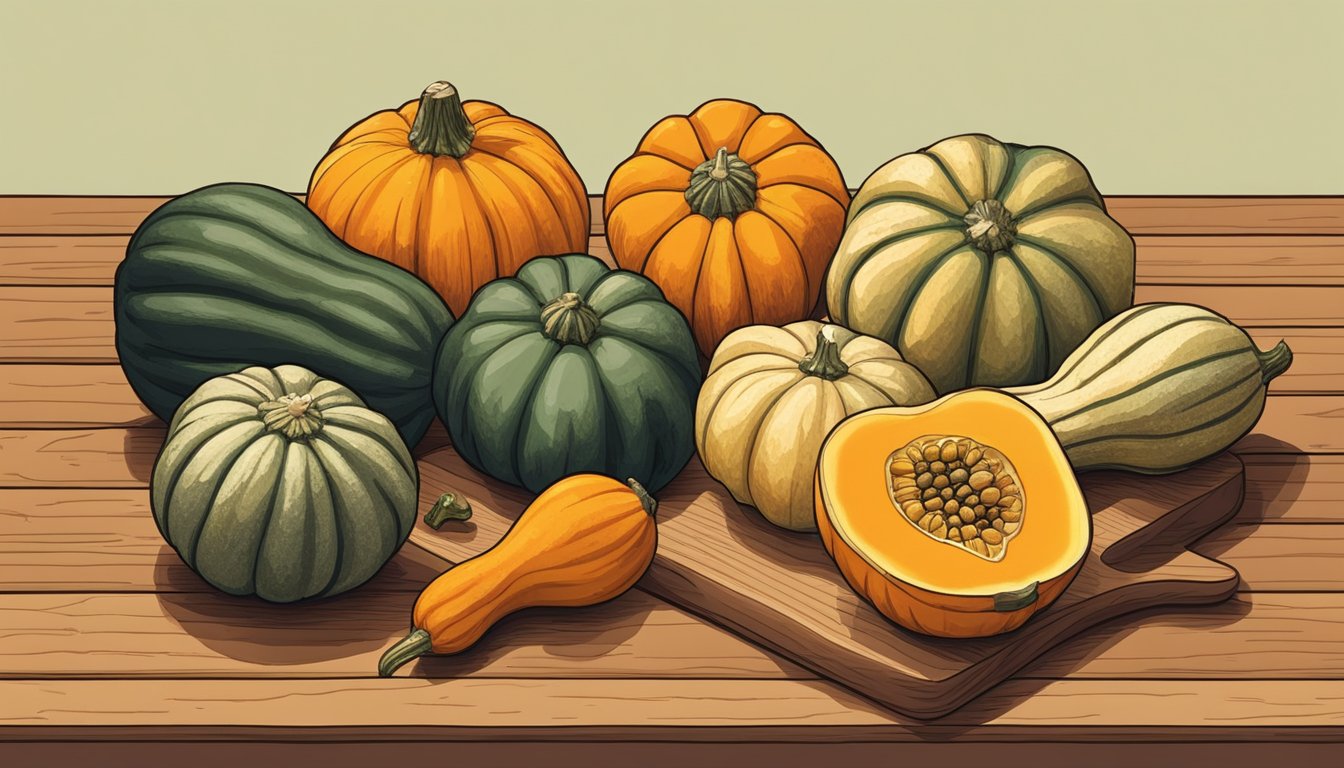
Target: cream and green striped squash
column 1156, row 389
column 984, row 263
column 279, row 483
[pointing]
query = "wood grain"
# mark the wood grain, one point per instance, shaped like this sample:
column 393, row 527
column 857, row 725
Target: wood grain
column 1257, row 306
column 45, row 396
column 212, row 635
column 1293, row 488
column 56, row 260
column 471, row 708
column 1281, row 558
column 208, row 634
column 1140, row 214
column 1297, row 424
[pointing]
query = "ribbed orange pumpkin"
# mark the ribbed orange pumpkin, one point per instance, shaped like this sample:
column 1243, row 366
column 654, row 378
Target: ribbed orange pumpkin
column 459, row 193
column 733, row 212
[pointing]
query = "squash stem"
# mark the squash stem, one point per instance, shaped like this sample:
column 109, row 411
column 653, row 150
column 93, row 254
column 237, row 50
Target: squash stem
column 569, row 320
column 441, row 125
column 722, row 186
column 650, row 504
column 989, row 226
column 1274, row 361
column 825, row 362
column 449, row 506
column 412, row 646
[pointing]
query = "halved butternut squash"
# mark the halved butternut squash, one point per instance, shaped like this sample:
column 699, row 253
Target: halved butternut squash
column 957, row 518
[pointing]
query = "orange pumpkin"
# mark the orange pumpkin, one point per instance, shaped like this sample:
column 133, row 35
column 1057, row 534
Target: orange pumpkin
column 459, row 193
column 733, row 212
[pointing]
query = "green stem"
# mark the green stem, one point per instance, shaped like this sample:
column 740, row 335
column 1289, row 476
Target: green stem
column 825, row 362
column 1017, row 599
column 569, row 320
column 650, row 504
column 1274, row 361
column 412, row 646
column 722, row 186
column 449, row 506
column 293, row 416
column 441, row 124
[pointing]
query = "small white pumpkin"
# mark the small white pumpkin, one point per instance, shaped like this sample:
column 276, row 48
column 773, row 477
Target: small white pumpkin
column 772, row 396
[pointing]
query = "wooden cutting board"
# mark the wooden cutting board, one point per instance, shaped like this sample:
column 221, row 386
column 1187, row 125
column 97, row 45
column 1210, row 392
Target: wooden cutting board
column 781, row 590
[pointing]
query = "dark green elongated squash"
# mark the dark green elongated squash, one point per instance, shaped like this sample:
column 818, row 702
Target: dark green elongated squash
column 279, row 483
column 234, row 275
column 570, row 367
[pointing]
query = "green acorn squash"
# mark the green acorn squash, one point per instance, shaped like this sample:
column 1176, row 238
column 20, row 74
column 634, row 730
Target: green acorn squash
column 570, row 367
column 280, row 483
column 234, row 275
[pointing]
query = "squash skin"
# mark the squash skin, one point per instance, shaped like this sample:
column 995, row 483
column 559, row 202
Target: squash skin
column 756, row 395
column 529, row 410
column 970, row 607
column 1001, row 306
column 256, row 511
column 1157, row 389
column 235, row 275
column 497, row 192
column 585, row 540
column 763, row 259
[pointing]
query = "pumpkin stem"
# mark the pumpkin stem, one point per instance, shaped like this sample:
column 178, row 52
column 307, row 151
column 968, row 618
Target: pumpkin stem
column 1274, row 361
column 569, row 320
column 449, row 506
column 441, row 125
column 416, row 644
column 989, row 226
column 292, row 415
column 825, row 362
column 723, row 186
column 650, row 504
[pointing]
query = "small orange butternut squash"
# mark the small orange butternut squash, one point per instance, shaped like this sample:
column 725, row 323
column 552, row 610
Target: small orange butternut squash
column 585, row 540
column 958, row 518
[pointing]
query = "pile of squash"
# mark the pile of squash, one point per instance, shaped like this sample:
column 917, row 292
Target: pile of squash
column 916, row 372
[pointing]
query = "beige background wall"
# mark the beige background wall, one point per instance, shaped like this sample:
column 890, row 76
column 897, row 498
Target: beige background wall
column 1175, row 97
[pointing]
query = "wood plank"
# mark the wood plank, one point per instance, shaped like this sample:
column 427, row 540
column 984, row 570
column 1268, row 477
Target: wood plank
column 1140, row 214
column 1280, row 558
column 1297, row 424
column 1293, row 488
column 1252, row 636
column 58, row 260
column 745, row 748
column 1165, row 259
column 43, row 396
column 214, row 635
column 1240, row 259
column 65, row 324
column 1257, row 306
column 472, row 708
column 1232, row 215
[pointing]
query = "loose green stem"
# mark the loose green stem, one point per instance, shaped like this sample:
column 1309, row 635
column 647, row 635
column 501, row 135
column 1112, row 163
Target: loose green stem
column 441, row 124
column 412, row 646
column 449, row 506
column 825, row 362
column 1274, row 361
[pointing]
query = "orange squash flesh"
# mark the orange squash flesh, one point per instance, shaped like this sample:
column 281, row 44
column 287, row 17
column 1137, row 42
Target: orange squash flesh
column 931, row 586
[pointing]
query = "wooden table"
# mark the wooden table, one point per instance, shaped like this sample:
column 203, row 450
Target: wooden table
column 112, row 651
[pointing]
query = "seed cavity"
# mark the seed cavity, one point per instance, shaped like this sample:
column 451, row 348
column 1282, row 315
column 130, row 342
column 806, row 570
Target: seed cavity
column 958, row 491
